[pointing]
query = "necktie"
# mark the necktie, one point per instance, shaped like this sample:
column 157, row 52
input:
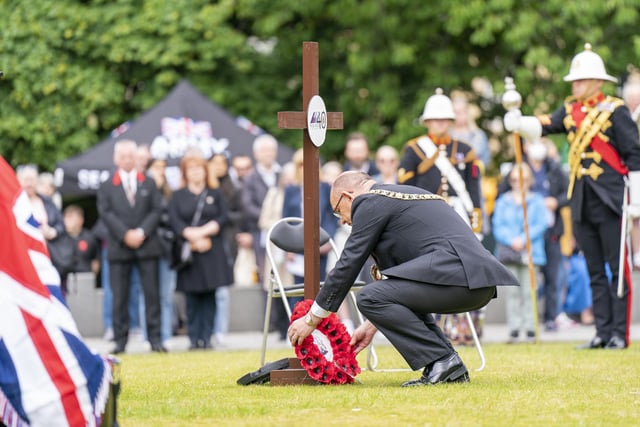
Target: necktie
column 128, row 189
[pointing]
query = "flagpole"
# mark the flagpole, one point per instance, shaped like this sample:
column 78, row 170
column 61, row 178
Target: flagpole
column 511, row 101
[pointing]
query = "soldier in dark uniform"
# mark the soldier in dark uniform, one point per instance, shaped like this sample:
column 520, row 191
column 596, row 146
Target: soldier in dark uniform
column 443, row 165
column 450, row 168
column 604, row 151
column 429, row 261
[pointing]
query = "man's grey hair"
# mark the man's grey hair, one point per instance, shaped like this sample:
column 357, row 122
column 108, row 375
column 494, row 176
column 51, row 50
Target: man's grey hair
column 264, row 140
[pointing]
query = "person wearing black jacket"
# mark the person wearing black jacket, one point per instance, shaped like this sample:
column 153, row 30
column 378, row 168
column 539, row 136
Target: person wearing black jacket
column 85, row 255
column 130, row 204
column 428, row 261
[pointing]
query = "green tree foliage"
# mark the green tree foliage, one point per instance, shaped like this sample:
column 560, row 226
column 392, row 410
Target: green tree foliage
column 77, row 69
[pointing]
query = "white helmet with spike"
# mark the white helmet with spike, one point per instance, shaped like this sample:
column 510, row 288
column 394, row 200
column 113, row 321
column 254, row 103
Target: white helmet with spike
column 438, row 106
column 588, row 65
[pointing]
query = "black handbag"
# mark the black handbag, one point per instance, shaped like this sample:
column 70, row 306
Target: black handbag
column 181, row 253
column 507, row 255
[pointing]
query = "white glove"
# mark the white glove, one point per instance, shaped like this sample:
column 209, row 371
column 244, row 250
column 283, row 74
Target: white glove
column 512, row 121
column 633, row 211
column 530, row 128
column 634, row 194
column 634, row 187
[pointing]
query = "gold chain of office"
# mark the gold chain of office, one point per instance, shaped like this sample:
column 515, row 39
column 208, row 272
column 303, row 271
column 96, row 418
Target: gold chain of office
column 405, row 196
column 375, row 270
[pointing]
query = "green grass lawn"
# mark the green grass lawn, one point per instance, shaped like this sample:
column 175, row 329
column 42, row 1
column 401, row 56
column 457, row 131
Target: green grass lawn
column 547, row 385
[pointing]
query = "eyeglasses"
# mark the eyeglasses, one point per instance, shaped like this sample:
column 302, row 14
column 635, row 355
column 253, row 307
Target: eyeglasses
column 336, row 213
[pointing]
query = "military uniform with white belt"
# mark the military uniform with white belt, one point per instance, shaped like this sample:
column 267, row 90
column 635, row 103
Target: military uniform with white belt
column 444, row 166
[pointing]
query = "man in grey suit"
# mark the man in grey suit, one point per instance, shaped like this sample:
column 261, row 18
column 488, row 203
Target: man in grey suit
column 263, row 177
column 130, row 206
column 428, row 261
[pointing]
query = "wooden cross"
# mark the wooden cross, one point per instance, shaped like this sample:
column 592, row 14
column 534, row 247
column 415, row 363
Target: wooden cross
column 311, row 180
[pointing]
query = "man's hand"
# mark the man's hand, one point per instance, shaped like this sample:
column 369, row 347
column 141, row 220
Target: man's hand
column 49, row 233
column 298, row 331
column 134, row 238
column 244, row 240
column 362, row 336
column 518, row 244
column 551, row 203
column 633, row 211
column 325, row 249
column 512, row 121
column 201, row 245
column 191, row 233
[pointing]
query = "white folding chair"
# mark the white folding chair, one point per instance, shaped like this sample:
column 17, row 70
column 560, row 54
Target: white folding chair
column 287, row 234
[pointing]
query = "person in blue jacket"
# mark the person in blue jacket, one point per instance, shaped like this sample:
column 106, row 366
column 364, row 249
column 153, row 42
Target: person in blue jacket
column 508, row 231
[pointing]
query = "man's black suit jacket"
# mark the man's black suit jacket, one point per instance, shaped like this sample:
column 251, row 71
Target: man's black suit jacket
column 420, row 240
column 119, row 217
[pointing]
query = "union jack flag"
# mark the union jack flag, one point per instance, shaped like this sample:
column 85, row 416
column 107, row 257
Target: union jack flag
column 48, row 377
column 185, row 127
column 120, row 129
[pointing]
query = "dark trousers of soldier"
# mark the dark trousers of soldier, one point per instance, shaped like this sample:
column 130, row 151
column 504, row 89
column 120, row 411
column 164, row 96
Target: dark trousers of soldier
column 598, row 235
column 401, row 310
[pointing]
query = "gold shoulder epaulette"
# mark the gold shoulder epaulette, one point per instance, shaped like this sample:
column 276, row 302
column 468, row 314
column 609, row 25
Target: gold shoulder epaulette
column 410, row 143
column 568, row 102
column 404, row 175
column 545, row 119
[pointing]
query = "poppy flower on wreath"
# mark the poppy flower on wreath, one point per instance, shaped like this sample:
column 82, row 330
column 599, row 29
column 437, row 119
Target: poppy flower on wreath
column 326, row 354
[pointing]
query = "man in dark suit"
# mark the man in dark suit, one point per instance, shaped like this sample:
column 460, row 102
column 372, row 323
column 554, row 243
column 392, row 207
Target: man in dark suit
column 130, row 206
column 428, row 260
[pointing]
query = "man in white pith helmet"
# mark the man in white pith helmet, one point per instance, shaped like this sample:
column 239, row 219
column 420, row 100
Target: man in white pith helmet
column 603, row 151
column 442, row 165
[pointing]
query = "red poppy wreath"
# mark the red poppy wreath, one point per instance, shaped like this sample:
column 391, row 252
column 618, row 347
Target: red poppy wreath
column 326, row 354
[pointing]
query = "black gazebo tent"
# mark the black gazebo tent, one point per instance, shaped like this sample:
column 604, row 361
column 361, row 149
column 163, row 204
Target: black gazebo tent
column 185, row 117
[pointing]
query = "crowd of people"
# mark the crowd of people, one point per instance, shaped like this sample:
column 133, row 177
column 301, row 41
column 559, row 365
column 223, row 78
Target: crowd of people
column 225, row 206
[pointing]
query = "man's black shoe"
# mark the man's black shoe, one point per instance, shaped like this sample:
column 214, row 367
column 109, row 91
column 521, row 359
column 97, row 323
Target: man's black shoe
column 117, row 350
column 447, row 370
column 616, row 343
column 158, row 348
column 596, row 342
